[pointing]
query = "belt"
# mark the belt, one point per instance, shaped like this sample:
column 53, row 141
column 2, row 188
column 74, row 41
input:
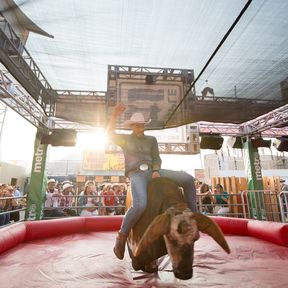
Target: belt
column 142, row 167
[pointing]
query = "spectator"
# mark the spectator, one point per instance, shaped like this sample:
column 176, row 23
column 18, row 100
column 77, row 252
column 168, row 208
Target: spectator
column 206, row 199
column 67, row 199
column 4, row 218
column 88, row 200
column 120, row 192
column 15, row 216
column 6, row 204
column 221, row 200
column 108, row 199
column 52, row 200
column 17, row 192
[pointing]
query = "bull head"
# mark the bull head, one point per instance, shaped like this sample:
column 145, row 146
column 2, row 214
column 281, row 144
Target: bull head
column 180, row 230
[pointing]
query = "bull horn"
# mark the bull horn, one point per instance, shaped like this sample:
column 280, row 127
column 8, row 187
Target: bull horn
column 207, row 225
column 158, row 227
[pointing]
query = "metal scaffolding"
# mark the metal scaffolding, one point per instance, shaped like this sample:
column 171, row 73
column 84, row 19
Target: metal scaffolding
column 15, row 57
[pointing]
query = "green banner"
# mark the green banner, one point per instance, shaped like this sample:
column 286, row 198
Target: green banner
column 255, row 181
column 37, row 186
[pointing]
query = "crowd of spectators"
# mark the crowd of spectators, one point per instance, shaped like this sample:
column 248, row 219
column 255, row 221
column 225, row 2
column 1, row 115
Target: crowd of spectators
column 61, row 199
column 64, row 199
column 10, row 202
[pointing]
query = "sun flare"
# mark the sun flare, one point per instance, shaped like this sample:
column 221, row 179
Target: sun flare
column 95, row 140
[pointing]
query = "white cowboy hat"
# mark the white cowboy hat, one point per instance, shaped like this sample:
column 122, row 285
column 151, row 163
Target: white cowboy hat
column 51, row 181
column 136, row 118
column 67, row 185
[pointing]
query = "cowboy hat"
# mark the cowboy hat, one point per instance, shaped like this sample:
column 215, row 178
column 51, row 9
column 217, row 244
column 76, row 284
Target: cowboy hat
column 51, row 181
column 67, row 185
column 136, row 118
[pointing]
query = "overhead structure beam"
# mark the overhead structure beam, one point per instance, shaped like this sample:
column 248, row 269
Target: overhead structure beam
column 174, row 148
column 203, row 109
column 22, row 103
column 21, row 65
column 236, row 130
column 275, row 120
column 17, row 98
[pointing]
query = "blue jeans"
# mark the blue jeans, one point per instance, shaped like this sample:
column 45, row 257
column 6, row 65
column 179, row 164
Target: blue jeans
column 4, row 219
column 139, row 182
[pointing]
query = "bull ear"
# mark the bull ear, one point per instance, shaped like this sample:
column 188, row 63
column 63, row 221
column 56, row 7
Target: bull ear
column 207, row 225
column 158, row 227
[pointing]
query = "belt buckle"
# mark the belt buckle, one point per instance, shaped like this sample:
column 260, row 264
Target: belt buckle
column 144, row 167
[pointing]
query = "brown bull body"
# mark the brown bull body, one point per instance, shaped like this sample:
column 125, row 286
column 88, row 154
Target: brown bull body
column 168, row 226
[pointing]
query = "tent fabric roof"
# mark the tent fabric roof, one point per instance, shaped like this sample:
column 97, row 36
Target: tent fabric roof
column 90, row 35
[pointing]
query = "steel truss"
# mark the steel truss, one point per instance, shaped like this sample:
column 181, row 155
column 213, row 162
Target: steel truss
column 185, row 76
column 262, row 124
column 136, row 72
column 15, row 97
column 21, row 65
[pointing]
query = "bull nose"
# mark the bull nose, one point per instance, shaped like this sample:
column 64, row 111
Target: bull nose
column 183, row 275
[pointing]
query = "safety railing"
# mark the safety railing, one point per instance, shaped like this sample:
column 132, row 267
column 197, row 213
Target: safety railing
column 252, row 204
column 261, row 205
column 235, row 207
column 89, row 203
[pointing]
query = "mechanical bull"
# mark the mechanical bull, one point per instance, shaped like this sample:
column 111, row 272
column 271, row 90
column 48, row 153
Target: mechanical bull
column 169, row 226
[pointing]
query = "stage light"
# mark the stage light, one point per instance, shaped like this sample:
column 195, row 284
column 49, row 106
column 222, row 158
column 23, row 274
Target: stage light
column 260, row 142
column 150, row 79
column 281, row 144
column 60, row 137
column 235, row 142
column 213, row 142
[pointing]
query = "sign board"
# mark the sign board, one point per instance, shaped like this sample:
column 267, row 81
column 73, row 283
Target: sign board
column 155, row 92
column 94, row 160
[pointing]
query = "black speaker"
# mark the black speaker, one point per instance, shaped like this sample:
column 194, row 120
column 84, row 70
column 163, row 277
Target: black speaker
column 213, row 142
column 235, row 142
column 150, row 79
column 60, row 137
column 281, row 144
column 260, row 142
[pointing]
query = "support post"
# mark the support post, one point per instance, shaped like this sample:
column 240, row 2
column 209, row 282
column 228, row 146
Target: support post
column 37, row 186
column 253, row 171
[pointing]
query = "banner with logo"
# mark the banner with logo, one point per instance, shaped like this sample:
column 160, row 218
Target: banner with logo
column 253, row 171
column 37, row 186
column 94, row 160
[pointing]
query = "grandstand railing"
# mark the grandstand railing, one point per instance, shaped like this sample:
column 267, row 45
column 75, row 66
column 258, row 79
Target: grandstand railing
column 272, row 206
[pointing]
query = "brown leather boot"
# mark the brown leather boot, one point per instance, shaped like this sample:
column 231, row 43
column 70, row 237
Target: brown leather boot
column 119, row 248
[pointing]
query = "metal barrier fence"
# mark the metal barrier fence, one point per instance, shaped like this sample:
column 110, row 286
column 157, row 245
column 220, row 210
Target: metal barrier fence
column 88, row 203
column 257, row 204
column 261, row 205
column 234, row 208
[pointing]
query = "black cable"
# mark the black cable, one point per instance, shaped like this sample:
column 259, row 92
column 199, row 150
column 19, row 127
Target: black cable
column 211, row 57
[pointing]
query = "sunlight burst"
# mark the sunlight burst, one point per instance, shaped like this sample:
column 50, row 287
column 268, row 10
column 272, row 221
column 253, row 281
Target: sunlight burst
column 93, row 141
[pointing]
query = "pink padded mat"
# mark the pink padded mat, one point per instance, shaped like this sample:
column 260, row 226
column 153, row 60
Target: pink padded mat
column 86, row 260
